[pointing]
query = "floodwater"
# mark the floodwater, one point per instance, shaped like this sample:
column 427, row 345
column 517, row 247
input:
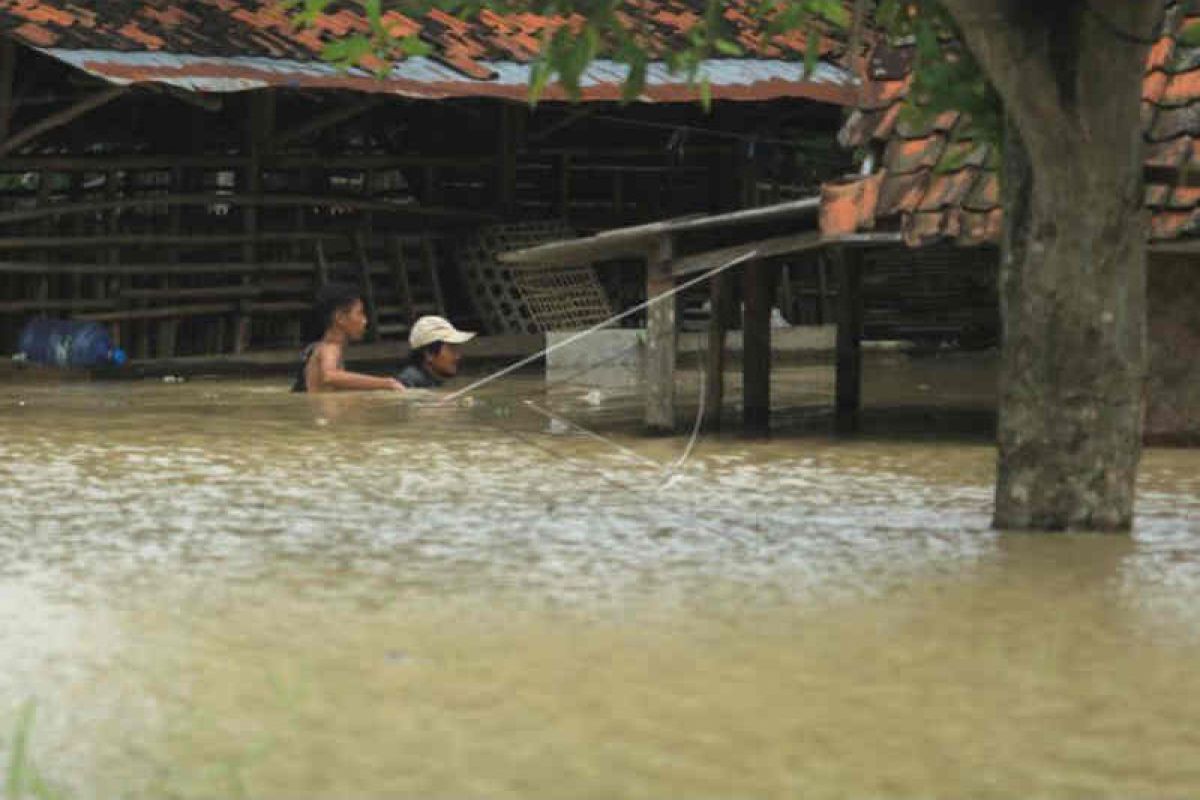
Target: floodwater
column 218, row 589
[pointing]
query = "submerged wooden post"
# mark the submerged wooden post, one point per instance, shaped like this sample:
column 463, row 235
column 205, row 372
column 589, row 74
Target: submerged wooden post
column 848, row 392
column 660, row 340
column 714, row 370
column 756, row 349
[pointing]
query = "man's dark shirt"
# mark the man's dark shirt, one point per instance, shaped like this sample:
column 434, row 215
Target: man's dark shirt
column 413, row 377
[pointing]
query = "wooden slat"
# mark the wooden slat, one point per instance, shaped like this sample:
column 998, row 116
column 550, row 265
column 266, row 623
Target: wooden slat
column 191, row 310
column 190, row 293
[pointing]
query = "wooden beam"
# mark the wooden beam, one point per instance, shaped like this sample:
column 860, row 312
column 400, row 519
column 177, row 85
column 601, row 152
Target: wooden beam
column 848, row 401
column 660, row 340
column 765, row 248
column 368, row 287
column 570, row 118
column 8, row 70
column 33, row 163
column 328, row 119
column 756, row 348
column 157, row 268
column 165, row 312
column 57, row 120
column 250, row 199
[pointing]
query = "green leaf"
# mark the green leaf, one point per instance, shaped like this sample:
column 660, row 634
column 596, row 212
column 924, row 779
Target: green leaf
column 728, row 48
column 635, row 80
column 1190, row 36
column 414, row 45
column 539, row 77
column 812, row 50
column 346, row 52
column 706, row 94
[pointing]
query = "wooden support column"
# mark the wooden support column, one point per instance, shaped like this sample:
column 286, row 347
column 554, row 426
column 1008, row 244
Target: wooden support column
column 507, row 143
column 756, row 349
column 562, row 182
column 258, row 138
column 660, row 340
column 848, row 401
column 8, row 73
column 714, row 370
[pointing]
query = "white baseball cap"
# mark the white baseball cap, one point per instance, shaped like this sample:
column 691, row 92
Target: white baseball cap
column 428, row 330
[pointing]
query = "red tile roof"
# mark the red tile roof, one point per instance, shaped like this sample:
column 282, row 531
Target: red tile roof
column 936, row 183
column 208, row 29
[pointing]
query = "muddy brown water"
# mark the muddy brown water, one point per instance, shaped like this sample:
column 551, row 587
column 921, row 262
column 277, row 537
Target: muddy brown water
column 217, row 589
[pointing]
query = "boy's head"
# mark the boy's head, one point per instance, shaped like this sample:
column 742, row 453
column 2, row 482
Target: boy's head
column 339, row 307
column 434, row 342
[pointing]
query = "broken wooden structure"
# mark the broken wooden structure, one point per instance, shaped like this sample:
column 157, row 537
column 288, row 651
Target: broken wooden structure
column 760, row 239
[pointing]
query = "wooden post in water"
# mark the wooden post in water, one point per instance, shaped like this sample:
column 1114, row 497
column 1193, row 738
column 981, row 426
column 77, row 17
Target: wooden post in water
column 848, row 390
column 714, row 370
column 756, row 349
column 660, row 340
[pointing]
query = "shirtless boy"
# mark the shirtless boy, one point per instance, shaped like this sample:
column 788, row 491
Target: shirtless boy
column 340, row 310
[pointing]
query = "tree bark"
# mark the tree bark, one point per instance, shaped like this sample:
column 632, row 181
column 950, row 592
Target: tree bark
column 1073, row 263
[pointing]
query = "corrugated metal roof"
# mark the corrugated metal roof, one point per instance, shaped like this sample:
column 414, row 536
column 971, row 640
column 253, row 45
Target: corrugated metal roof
column 231, row 45
column 428, row 78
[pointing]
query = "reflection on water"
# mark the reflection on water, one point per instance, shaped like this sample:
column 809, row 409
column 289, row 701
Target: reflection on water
column 220, row 589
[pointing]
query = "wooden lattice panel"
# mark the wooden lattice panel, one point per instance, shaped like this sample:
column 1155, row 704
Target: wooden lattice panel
column 529, row 299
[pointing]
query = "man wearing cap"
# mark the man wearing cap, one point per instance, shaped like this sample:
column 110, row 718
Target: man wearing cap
column 434, row 353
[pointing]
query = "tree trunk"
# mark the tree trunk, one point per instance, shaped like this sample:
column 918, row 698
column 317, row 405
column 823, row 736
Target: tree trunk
column 1073, row 264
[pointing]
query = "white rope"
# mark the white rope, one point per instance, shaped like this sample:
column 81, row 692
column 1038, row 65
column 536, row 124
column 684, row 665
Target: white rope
column 673, row 470
column 599, row 326
column 561, row 420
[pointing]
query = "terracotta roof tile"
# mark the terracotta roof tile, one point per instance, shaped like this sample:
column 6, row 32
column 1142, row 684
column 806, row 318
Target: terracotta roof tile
column 1184, row 197
column 847, row 206
column 985, row 194
column 908, row 155
column 1157, row 195
column 963, row 202
column 981, row 227
column 226, row 28
column 902, row 193
column 949, row 190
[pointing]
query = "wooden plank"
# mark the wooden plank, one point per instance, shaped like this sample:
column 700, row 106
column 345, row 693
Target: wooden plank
column 630, row 240
column 328, row 119
column 756, row 349
column 252, row 199
column 430, row 256
column 58, row 119
column 36, row 163
column 194, row 292
column 147, row 240
column 368, row 287
column 660, row 340
column 848, row 391
column 76, row 304
column 162, row 312
column 167, row 268
column 764, row 248
column 400, row 276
